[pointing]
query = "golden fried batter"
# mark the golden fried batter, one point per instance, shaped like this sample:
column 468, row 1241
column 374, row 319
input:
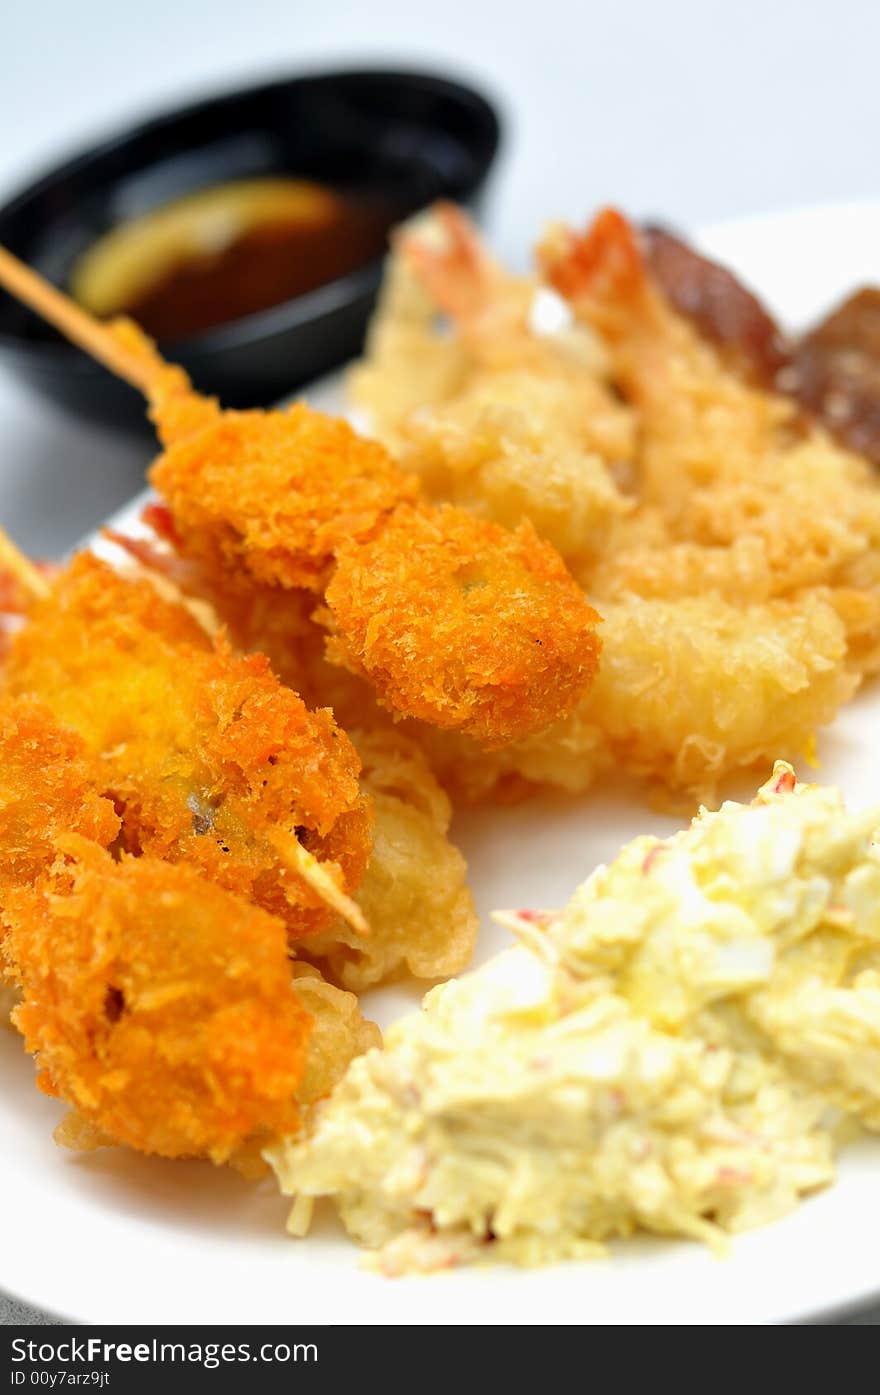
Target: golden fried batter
column 414, row 893
column 158, row 1005
column 48, row 786
column 282, row 498
column 462, row 624
column 338, row 1033
column 530, row 426
column 275, row 494
column 209, row 759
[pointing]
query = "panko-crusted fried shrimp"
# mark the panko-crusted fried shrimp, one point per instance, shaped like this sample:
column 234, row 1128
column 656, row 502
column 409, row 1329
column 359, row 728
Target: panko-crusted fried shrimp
column 277, row 496
column 208, row 758
column 532, row 428
column 414, row 893
column 160, row 1006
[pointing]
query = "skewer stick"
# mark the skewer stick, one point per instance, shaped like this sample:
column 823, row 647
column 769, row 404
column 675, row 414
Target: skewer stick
column 29, row 577
column 94, row 337
column 319, row 878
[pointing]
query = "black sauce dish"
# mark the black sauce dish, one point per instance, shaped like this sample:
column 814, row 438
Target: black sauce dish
column 415, row 136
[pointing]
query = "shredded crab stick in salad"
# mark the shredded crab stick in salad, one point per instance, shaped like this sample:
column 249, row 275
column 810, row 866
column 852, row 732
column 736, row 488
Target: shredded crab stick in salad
column 452, row 619
column 673, row 1052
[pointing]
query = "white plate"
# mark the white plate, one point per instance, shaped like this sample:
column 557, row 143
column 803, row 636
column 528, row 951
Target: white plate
column 113, row 1237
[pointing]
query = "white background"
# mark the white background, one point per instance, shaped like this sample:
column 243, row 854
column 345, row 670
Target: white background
column 687, row 108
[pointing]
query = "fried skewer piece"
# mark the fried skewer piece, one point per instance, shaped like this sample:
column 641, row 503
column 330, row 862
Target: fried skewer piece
column 164, row 1010
column 452, row 619
column 209, row 759
column 161, row 1007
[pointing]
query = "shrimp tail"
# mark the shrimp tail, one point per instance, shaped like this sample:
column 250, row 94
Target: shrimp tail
column 602, row 265
column 447, row 256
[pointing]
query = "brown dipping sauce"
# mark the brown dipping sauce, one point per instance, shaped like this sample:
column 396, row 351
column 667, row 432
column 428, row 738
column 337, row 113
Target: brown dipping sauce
column 263, row 267
column 270, row 252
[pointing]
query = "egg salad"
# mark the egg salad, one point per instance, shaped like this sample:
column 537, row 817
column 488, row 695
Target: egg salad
column 681, row 1050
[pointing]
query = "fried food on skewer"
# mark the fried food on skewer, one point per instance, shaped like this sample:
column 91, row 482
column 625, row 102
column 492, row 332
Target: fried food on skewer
column 164, row 1010
column 414, row 893
column 295, row 498
column 47, row 786
column 258, row 498
column 209, row 759
column 160, row 1006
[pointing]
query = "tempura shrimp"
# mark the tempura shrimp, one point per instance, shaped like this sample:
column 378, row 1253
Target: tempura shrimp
column 532, row 428
column 720, row 461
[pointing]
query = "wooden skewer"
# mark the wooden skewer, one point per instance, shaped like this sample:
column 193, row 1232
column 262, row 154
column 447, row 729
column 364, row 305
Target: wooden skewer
column 91, row 335
column 22, row 568
column 319, row 878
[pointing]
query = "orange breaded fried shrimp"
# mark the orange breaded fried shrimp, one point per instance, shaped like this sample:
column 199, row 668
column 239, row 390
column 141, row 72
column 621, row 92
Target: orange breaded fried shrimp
column 480, row 624
column 160, row 1006
column 208, row 758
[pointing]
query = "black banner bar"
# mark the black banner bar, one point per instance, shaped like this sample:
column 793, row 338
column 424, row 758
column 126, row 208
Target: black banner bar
column 127, row 1359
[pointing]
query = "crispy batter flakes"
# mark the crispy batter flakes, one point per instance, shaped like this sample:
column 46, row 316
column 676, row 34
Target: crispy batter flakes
column 160, row 1006
column 464, row 625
